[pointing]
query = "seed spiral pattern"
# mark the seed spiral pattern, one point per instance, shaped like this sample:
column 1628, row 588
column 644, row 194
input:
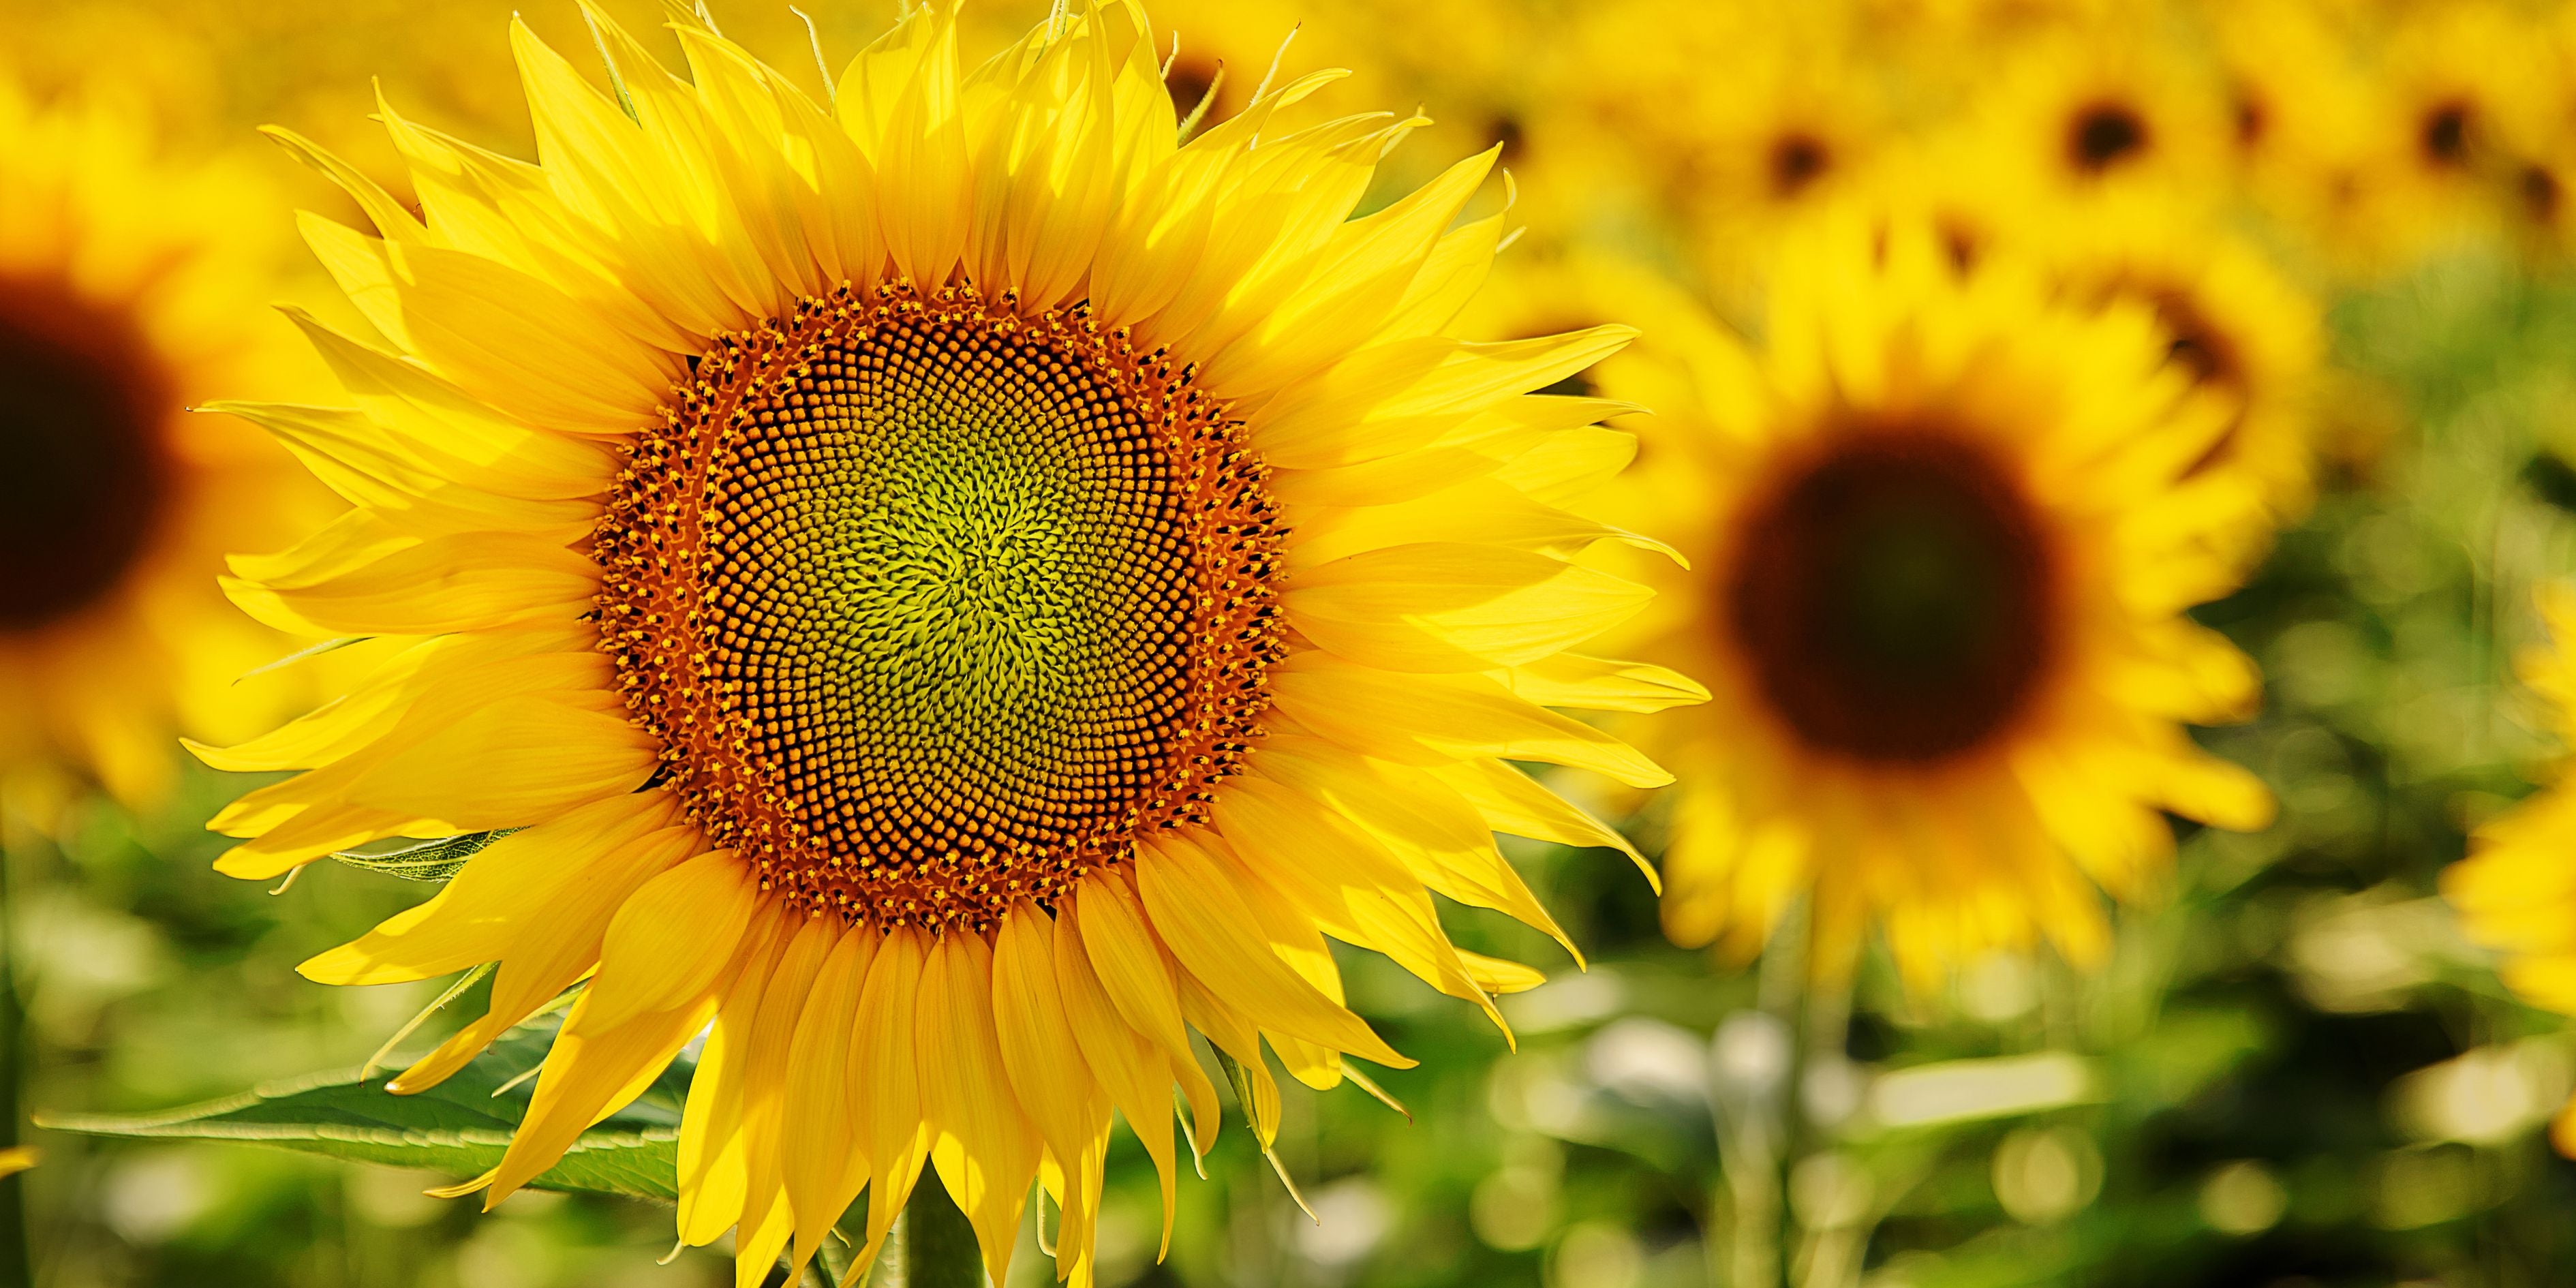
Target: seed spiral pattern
column 935, row 605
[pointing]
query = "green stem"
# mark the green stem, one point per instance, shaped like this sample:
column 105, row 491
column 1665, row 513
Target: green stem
column 17, row 1264
column 939, row 1248
column 1754, row 1133
column 1830, row 1256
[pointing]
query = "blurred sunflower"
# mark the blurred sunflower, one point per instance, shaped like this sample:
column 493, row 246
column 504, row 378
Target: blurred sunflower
column 2539, row 154
column 2302, row 115
column 1942, row 534
column 2462, row 81
column 2541, row 197
column 1748, row 120
column 2075, row 113
column 957, row 589
column 2232, row 322
column 130, row 284
column 2516, row 892
column 2282, row 62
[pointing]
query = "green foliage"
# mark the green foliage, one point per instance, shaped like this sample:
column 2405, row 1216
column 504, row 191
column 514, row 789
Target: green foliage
column 460, row 1126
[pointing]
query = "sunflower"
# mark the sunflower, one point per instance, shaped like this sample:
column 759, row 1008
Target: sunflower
column 125, row 279
column 2303, row 123
column 2460, row 86
column 2537, row 171
column 2105, row 108
column 1746, row 122
column 951, row 586
column 2513, row 892
column 1942, row 531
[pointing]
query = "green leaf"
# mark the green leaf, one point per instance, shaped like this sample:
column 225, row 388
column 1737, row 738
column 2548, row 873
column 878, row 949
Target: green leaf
column 431, row 861
column 459, row 1126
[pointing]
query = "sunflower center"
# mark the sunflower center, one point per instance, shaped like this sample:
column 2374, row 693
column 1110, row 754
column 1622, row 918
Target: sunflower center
column 935, row 605
column 82, row 475
column 1798, row 159
column 2104, row 134
column 2445, row 134
column 2253, row 119
column 1892, row 595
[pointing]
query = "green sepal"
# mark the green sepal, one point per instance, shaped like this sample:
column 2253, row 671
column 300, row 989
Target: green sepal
column 1242, row 1080
column 434, row 862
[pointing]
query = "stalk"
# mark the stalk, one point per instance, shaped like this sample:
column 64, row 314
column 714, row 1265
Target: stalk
column 17, row 1262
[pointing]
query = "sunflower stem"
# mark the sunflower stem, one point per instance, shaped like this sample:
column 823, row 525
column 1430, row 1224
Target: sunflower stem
column 939, row 1249
column 17, row 1262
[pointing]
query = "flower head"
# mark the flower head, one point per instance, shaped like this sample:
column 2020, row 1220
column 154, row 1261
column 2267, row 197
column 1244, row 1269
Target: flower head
column 1945, row 533
column 958, row 587
column 116, row 504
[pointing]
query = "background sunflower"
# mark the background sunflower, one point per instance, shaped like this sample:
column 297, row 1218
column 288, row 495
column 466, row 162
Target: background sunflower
column 1942, row 532
column 117, row 317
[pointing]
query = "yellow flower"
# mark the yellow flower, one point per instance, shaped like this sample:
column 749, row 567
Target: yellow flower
column 2057, row 128
column 2461, row 84
column 2515, row 891
column 2105, row 108
column 130, row 285
column 1741, row 123
column 1942, row 533
column 957, row 588
column 2537, row 161
column 2303, row 124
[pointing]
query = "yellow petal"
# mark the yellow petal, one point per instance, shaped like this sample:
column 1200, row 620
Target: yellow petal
column 886, row 1093
column 1201, row 911
column 984, row 1145
column 1131, row 968
column 1449, row 606
column 1433, row 719
column 588, row 1076
column 823, row 1170
column 672, row 936
column 1132, row 1069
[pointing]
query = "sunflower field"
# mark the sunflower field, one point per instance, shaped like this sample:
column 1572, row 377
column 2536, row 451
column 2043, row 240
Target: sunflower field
column 1288, row 644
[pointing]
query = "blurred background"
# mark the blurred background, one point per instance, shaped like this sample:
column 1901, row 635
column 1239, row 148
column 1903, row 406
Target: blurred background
column 2292, row 1072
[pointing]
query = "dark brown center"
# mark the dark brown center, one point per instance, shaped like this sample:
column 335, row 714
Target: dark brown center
column 1895, row 595
column 2445, row 134
column 2253, row 120
column 84, row 476
column 1798, row 159
column 2103, row 135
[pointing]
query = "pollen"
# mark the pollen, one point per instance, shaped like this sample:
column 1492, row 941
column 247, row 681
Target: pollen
column 935, row 604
